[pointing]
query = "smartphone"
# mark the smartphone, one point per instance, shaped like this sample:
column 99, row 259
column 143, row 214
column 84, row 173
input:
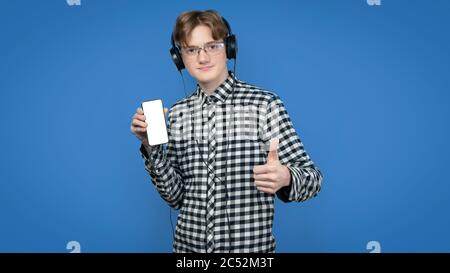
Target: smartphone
column 156, row 121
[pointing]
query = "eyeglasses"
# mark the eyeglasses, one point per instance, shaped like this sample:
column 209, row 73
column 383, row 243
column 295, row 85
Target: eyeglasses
column 212, row 48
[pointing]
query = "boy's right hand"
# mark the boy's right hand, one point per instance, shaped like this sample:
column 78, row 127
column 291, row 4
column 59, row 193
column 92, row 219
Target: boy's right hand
column 139, row 126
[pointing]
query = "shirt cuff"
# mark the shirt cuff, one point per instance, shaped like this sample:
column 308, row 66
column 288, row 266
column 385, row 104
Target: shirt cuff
column 153, row 158
column 285, row 193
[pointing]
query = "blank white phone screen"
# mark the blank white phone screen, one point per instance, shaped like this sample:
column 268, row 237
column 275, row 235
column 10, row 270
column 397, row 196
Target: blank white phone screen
column 156, row 121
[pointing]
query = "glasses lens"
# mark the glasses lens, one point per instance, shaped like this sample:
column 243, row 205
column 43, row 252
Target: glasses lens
column 213, row 48
column 190, row 51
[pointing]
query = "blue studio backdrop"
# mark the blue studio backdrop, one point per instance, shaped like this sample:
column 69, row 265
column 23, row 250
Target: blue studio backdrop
column 365, row 82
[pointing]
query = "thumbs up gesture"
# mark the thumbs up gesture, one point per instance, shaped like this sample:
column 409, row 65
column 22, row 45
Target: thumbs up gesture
column 272, row 176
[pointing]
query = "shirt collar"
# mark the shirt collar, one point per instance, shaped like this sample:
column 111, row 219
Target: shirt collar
column 220, row 94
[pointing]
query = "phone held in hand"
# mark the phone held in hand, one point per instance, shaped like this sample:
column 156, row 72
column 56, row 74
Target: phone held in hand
column 156, row 121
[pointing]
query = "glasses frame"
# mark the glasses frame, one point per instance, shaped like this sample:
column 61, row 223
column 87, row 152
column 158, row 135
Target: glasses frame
column 198, row 49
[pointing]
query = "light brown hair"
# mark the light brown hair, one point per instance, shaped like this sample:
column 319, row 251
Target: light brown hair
column 189, row 20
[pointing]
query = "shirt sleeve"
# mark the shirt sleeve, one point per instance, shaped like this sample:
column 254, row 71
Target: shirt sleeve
column 306, row 178
column 161, row 164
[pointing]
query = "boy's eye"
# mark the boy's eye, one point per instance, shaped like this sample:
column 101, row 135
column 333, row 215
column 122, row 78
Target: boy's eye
column 191, row 50
column 213, row 46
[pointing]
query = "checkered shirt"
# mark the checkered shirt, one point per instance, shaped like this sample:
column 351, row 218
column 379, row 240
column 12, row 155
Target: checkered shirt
column 206, row 169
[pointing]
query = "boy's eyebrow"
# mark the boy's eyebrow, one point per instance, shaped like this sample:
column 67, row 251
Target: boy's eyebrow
column 199, row 46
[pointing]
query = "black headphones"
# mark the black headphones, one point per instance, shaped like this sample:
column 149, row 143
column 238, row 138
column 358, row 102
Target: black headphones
column 230, row 47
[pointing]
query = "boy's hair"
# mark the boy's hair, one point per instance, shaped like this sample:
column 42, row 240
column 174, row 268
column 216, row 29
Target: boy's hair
column 189, row 20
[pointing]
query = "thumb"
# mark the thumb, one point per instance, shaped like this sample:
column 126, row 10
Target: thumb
column 273, row 153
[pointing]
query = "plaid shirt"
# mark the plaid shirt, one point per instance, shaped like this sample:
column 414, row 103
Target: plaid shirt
column 206, row 169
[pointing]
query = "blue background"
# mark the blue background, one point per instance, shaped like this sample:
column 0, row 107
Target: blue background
column 367, row 88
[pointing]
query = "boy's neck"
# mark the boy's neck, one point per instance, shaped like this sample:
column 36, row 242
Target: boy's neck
column 209, row 87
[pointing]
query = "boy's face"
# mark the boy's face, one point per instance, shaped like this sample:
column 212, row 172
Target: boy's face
column 210, row 69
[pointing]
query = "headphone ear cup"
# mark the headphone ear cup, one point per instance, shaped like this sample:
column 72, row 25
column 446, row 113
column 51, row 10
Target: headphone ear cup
column 231, row 47
column 176, row 58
